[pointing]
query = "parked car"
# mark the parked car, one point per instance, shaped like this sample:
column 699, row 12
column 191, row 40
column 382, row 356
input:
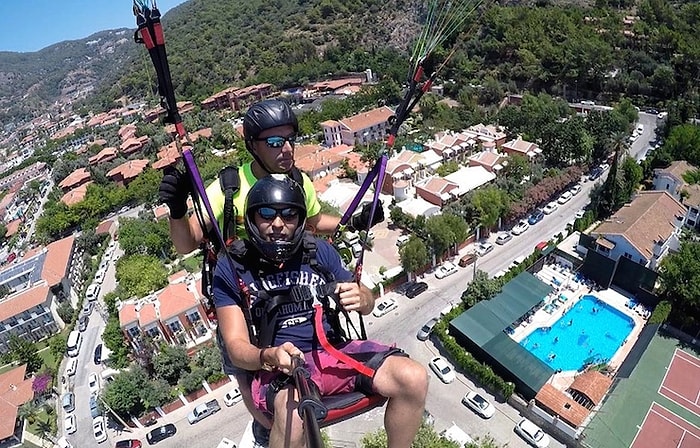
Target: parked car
column 98, row 354
column 595, row 173
column 401, row 240
column 94, row 383
column 69, row 425
column 576, row 189
column 535, row 217
column 478, row 404
column 516, row 262
column 68, row 402
column 384, row 307
column 98, row 429
column 232, row 397
column 442, row 369
column 92, row 292
column 550, row 208
column 226, row 443
column 100, row 276
column 83, row 323
column 94, row 408
column 87, row 308
column 425, row 330
column 161, row 433
column 203, row 411
column 445, row 270
column 416, row 289
column 71, row 366
column 484, row 248
column 466, row 260
column 131, row 443
column 520, row 228
column 532, row 433
column 503, row 238
column 63, row 443
column 579, row 214
column 565, row 197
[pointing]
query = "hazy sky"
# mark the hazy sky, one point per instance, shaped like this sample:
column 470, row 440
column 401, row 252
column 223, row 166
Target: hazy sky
column 30, row 25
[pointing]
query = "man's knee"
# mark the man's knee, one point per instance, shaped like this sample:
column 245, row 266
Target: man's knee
column 286, row 417
column 402, row 376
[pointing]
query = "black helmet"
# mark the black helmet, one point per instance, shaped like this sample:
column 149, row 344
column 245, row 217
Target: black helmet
column 265, row 115
column 275, row 190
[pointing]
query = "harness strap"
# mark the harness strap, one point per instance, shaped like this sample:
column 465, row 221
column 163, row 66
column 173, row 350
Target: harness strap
column 230, row 183
column 337, row 354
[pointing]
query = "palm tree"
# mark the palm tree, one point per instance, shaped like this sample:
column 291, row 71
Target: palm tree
column 45, row 428
column 29, row 411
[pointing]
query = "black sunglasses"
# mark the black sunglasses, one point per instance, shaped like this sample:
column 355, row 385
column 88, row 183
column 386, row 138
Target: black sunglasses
column 269, row 213
column 277, row 141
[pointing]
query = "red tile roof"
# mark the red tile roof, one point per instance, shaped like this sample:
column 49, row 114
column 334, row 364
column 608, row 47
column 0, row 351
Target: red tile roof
column 593, row 385
column 104, row 227
column 76, row 195
column 562, row 405
column 57, row 261
column 129, row 169
column 74, row 178
column 13, row 227
column 175, row 299
column 147, row 314
column 105, row 155
column 127, row 314
column 368, row 119
column 26, row 300
column 14, row 392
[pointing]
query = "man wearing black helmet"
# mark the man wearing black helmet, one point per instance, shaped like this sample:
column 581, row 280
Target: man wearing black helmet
column 269, row 129
column 281, row 271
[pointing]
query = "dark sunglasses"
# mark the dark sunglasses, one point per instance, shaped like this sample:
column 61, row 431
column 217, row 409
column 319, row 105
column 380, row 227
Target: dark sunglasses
column 269, row 213
column 277, row 141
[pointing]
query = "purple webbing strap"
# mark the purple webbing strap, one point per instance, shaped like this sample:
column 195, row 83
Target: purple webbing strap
column 363, row 189
column 198, row 185
column 380, row 173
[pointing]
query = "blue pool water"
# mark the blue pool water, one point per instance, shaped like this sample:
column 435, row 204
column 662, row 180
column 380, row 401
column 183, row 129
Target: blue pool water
column 590, row 332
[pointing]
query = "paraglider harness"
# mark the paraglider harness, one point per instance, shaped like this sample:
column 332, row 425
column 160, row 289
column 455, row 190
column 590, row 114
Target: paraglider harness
column 230, row 184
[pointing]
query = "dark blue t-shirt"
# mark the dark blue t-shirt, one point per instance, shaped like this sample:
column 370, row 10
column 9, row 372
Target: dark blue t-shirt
column 294, row 320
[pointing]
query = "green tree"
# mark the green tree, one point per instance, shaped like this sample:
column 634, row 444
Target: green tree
column 447, row 168
column 171, row 363
column 66, row 312
column 679, row 275
column 481, row 288
column 24, row 352
column 57, row 346
column 414, row 255
column 142, row 236
column 139, row 275
column 490, row 204
column 123, row 395
column 427, row 437
column 113, row 338
column 156, row 392
column 29, row 411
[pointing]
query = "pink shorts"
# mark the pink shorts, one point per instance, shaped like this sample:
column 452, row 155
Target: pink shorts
column 330, row 375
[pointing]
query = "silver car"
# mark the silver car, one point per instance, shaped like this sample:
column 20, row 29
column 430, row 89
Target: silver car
column 424, row 332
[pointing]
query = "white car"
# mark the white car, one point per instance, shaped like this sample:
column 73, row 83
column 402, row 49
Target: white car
column 232, row 397
column 69, row 425
column 550, row 208
column 576, row 189
column 520, row 228
column 384, row 307
column 532, row 433
column 478, row 404
column 71, row 366
column 484, row 248
column 442, row 369
column 579, row 214
column 92, row 292
column 504, row 237
column 445, row 269
column 94, row 383
column 565, row 197
column 226, row 443
column 516, row 262
column 98, row 429
column 100, row 276
column 63, row 443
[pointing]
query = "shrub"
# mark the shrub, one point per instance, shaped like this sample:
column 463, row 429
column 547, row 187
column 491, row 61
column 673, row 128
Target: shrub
column 660, row 313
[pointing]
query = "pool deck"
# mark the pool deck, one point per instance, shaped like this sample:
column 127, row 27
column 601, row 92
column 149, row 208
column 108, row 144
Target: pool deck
column 574, row 291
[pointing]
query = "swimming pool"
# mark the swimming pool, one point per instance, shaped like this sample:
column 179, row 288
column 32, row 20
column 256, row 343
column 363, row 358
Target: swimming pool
column 590, row 332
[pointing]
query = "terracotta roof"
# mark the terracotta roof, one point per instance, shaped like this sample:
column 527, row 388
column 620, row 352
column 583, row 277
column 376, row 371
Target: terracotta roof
column 677, row 169
column 317, row 160
column 438, row 185
column 337, row 83
column 175, row 299
column 650, row 217
column 161, row 211
column 14, row 392
column 105, row 155
column 104, row 227
column 562, row 405
column 74, row 178
column 593, row 385
column 76, row 195
column 521, row 146
column 130, row 169
column 13, row 227
column 58, row 257
column 368, row 119
column 486, row 158
column 693, row 198
column 605, row 243
column 147, row 314
column 127, row 314
column 26, row 300
column 127, row 131
column 173, row 278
